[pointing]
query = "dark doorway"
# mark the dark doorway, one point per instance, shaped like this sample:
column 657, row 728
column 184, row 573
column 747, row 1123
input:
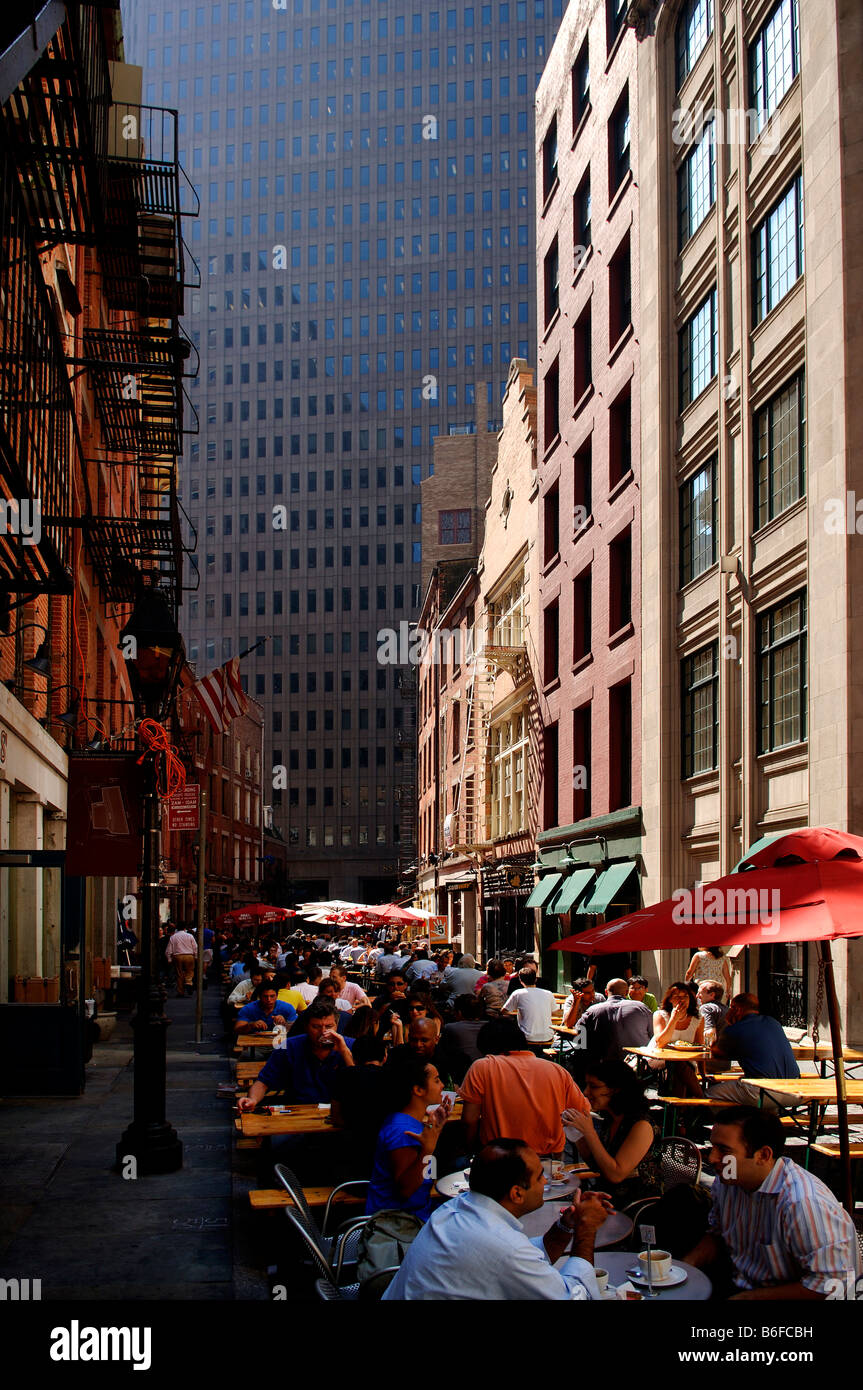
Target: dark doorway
column 508, row 928
column 783, row 986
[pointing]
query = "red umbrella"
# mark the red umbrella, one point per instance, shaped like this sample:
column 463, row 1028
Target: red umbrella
column 392, row 912
column 256, row 913
column 805, row 886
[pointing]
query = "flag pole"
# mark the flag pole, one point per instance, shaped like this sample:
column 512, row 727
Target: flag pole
column 260, row 642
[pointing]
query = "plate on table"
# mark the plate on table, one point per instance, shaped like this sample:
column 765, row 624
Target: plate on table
column 677, row 1276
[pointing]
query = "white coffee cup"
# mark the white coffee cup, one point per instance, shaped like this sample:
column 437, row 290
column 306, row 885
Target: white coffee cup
column 601, row 1279
column 660, row 1263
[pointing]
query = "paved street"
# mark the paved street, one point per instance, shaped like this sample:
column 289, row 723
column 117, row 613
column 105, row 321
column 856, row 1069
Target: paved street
column 66, row 1219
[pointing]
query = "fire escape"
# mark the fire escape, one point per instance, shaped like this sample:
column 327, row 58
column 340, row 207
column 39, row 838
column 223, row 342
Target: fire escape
column 78, row 169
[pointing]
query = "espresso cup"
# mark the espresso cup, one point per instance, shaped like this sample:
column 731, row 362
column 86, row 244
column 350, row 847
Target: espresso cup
column 660, row 1263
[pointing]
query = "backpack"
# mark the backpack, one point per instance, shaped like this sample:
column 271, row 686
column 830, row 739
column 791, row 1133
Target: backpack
column 383, row 1242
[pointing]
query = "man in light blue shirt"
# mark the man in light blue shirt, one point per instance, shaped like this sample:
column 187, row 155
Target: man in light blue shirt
column 421, row 969
column 474, row 1247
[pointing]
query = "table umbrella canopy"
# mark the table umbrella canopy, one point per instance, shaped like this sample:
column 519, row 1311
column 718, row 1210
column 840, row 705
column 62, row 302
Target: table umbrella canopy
column 800, row 902
column 394, row 912
column 804, row 886
column 256, row 914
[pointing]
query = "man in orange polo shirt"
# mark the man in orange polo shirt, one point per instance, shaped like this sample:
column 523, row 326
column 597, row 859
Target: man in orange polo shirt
column 512, row 1094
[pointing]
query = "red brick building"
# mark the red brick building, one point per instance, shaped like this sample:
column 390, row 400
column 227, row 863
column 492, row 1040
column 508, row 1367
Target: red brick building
column 588, row 454
column 228, row 769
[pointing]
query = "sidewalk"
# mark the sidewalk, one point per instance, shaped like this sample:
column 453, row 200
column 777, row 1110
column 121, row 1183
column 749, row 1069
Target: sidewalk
column 87, row 1233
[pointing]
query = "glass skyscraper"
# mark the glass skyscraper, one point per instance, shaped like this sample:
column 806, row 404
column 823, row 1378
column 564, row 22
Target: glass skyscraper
column 366, row 249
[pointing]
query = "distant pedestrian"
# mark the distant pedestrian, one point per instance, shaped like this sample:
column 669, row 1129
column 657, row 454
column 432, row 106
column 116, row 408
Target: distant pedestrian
column 182, row 949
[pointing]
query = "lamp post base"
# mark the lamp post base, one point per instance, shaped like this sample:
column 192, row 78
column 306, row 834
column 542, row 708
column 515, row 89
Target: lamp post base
column 155, row 1148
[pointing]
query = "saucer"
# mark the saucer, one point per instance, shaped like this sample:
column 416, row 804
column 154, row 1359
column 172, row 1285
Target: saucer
column 677, row 1276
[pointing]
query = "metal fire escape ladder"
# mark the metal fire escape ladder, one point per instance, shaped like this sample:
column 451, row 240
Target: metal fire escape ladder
column 472, row 820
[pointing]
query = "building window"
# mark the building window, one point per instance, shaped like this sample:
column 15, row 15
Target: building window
column 581, row 220
column 581, row 759
column 780, row 442
column 582, row 615
column 782, row 674
column 698, row 351
column 777, row 251
column 620, row 746
column 582, row 486
column 551, row 281
column 551, row 643
column 549, row 161
column 696, row 186
column 550, row 775
column 615, row 13
column 774, row 60
column 583, row 356
column 551, row 524
column 694, row 28
column 454, row 528
column 618, row 144
column 700, row 711
column 698, row 516
column 620, row 582
column 619, row 293
column 620, row 438
column 551, row 399
column 509, row 761
column 507, row 616
column 580, row 86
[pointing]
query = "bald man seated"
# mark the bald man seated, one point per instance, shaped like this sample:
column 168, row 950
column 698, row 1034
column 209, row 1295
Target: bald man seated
column 608, row 1029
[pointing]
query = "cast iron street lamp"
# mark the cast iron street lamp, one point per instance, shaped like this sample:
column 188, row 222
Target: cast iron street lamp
column 154, row 651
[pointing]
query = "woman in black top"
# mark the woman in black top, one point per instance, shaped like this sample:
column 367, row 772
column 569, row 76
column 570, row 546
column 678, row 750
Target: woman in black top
column 618, row 1137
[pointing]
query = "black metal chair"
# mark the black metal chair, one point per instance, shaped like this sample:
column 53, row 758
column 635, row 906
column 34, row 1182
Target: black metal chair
column 680, row 1162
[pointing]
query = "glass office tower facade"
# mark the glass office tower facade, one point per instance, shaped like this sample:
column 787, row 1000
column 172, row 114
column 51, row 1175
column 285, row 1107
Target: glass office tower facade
column 366, row 247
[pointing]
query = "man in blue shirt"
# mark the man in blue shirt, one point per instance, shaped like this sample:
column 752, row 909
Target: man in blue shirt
column 759, row 1044
column 307, row 1066
column 265, row 1010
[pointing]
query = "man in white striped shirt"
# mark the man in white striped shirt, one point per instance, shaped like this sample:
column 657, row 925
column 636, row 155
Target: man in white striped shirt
column 785, row 1233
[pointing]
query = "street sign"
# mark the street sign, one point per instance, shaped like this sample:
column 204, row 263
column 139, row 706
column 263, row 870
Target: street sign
column 184, row 808
column 437, row 930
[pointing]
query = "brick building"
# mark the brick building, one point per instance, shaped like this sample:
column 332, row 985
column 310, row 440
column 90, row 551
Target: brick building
column 589, row 459
column 91, row 281
column 228, row 769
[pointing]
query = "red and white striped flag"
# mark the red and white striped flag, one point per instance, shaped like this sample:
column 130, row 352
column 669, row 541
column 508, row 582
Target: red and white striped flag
column 221, row 695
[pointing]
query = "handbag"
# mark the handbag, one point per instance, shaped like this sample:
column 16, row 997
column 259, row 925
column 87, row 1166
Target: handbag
column 384, row 1240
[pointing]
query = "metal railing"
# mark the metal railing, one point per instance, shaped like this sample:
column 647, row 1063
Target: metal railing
column 37, row 423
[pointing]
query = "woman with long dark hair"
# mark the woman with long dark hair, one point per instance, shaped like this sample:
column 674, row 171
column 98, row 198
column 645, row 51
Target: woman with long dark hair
column 678, row 1020
column 618, row 1136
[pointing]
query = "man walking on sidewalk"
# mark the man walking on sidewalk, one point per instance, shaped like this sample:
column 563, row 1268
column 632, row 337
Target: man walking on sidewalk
column 182, row 949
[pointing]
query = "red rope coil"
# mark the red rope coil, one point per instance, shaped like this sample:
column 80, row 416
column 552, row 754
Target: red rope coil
column 170, row 772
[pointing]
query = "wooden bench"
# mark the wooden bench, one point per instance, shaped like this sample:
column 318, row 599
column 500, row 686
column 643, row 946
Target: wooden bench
column 274, row 1198
column 832, row 1150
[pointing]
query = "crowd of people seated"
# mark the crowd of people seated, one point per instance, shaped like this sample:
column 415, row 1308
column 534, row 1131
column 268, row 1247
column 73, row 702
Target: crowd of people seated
column 392, row 1054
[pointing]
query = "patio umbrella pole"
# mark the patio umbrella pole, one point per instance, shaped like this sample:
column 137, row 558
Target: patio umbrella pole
column 839, row 1068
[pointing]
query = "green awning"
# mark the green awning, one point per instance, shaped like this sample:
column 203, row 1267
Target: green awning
column 543, row 890
column 759, row 844
column 572, row 889
column 608, row 885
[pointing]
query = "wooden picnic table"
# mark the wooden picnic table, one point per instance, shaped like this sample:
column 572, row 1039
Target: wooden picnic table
column 816, row 1091
column 811, row 1088
column 245, row 1040
column 669, row 1054
column 303, row 1119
